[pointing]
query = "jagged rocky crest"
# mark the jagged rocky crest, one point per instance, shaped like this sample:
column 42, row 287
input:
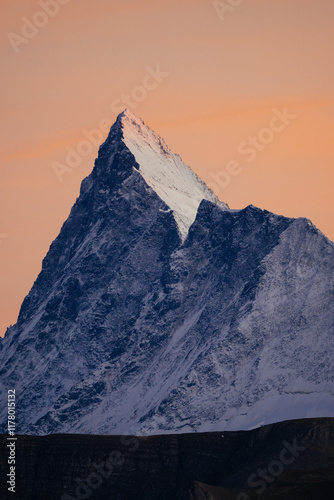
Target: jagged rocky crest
column 158, row 309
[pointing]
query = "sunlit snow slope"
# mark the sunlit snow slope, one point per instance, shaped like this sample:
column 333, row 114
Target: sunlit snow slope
column 172, row 180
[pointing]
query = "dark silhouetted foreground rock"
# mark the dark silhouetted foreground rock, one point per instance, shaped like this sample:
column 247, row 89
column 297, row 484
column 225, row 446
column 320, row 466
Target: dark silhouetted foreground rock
column 289, row 460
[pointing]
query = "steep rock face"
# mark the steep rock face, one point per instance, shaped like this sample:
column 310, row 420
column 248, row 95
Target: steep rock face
column 158, row 309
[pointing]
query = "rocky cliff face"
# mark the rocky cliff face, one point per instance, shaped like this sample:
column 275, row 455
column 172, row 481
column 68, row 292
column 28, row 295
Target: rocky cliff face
column 158, row 309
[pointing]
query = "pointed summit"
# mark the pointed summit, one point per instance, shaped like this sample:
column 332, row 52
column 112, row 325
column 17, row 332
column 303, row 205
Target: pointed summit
column 172, row 180
column 132, row 147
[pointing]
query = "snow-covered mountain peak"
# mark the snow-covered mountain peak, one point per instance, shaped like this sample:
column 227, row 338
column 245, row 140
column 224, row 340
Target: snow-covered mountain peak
column 134, row 128
column 173, row 181
column 127, row 330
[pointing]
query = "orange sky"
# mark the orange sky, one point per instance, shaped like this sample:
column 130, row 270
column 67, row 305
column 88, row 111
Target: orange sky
column 226, row 76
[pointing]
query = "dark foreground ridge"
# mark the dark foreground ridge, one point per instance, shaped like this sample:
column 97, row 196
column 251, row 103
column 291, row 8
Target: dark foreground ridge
column 292, row 460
